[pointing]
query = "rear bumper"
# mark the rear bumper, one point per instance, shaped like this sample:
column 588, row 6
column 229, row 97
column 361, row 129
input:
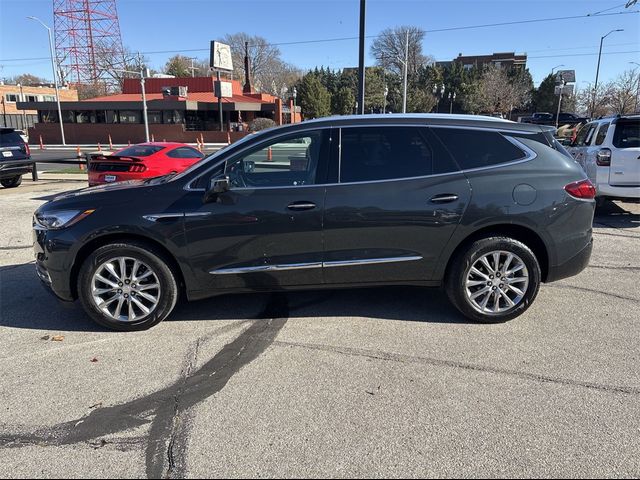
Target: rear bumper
column 606, row 190
column 571, row 267
column 14, row 168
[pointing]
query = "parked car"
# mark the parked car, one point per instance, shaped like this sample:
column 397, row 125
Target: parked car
column 365, row 200
column 564, row 119
column 609, row 151
column 15, row 158
column 144, row 160
column 540, row 118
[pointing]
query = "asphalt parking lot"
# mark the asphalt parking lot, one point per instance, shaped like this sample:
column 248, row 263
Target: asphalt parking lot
column 370, row 383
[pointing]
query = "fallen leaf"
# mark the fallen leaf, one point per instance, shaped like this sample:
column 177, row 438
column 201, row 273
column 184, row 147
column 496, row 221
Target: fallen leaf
column 99, row 404
column 57, row 338
column 94, row 359
column 46, row 337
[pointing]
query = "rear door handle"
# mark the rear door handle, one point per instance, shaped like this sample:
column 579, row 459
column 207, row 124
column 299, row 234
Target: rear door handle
column 444, row 198
column 301, row 206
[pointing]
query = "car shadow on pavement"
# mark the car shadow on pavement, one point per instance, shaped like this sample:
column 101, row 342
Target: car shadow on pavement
column 26, row 304
column 617, row 215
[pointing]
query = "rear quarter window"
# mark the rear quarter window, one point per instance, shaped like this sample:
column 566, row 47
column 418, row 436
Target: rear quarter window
column 140, row 150
column 478, row 148
column 627, row 134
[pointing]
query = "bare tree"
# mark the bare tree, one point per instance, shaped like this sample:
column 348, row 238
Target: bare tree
column 499, row 93
column 622, row 93
column 389, row 49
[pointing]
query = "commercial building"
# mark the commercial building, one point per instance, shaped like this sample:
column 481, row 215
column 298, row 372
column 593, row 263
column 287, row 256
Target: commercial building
column 179, row 109
column 11, row 115
column 501, row 59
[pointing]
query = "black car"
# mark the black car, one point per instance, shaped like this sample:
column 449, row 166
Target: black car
column 487, row 208
column 15, row 158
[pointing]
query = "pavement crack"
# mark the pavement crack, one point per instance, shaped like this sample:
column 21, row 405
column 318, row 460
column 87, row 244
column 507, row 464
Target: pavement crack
column 17, row 247
column 590, row 290
column 402, row 358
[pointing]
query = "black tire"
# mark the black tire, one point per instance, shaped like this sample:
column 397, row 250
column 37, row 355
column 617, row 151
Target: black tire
column 457, row 274
column 11, row 182
column 167, row 294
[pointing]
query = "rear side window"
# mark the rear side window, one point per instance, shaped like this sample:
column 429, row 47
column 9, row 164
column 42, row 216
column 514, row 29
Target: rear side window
column 478, row 148
column 184, row 152
column 385, row 153
column 140, row 150
column 627, row 134
column 602, row 133
column 10, row 138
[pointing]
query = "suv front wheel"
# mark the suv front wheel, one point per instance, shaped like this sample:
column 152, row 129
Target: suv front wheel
column 127, row 286
column 494, row 279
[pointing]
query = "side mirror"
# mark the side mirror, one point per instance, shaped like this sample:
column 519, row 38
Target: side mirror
column 216, row 187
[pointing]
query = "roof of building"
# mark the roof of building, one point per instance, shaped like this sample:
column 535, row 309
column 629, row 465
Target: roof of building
column 206, row 97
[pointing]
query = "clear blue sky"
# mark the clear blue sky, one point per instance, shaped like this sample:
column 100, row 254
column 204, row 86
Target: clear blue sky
column 178, row 25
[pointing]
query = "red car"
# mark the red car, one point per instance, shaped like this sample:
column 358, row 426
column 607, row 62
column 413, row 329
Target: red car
column 144, row 160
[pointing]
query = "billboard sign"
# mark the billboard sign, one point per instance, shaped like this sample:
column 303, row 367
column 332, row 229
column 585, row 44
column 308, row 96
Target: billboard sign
column 569, row 76
column 220, row 56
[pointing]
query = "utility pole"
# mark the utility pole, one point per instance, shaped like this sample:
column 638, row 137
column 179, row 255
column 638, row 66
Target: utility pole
column 360, row 108
column 406, row 67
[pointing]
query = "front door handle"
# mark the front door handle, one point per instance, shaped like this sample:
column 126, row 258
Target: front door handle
column 444, row 198
column 301, row 206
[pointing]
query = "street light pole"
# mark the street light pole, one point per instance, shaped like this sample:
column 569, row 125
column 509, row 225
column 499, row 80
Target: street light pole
column 557, row 66
column 406, row 67
column 562, row 83
column 637, row 89
column 384, row 105
column 293, row 114
column 144, row 97
column 55, row 77
column 595, row 87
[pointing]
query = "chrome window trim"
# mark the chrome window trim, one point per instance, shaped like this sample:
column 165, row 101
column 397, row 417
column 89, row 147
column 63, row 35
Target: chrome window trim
column 154, row 217
column 299, row 266
column 529, row 155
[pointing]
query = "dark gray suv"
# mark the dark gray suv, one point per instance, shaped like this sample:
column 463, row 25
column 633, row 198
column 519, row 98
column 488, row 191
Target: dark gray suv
column 15, row 158
column 487, row 208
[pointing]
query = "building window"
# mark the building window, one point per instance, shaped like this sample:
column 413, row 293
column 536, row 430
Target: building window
column 31, row 98
column 69, row 116
column 129, row 116
column 49, row 98
column 48, row 116
column 11, row 97
column 112, row 116
column 154, row 116
column 173, row 116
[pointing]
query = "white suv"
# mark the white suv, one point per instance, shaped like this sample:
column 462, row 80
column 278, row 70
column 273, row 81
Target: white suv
column 609, row 151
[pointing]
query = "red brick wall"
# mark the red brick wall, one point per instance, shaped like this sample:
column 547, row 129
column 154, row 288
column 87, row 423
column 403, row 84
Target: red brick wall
column 122, row 133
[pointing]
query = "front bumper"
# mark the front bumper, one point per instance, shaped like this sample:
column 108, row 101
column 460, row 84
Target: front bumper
column 571, row 267
column 52, row 263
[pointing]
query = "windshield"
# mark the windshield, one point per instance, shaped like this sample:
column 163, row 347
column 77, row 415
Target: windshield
column 215, row 155
column 140, row 150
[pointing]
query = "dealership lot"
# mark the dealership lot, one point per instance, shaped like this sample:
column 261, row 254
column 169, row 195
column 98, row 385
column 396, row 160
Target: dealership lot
column 371, row 382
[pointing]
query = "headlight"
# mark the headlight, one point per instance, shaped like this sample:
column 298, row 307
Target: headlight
column 59, row 219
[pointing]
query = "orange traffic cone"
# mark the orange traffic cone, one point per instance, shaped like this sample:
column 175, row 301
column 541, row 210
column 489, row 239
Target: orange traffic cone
column 164, row 139
column 41, row 144
column 110, row 144
column 269, row 155
column 79, row 156
column 153, row 138
column 202, row 140
column 228, row 137
column 99, row 147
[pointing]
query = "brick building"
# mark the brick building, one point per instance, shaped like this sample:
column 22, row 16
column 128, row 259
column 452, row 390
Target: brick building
column 11, row 115
column 502, row 59
column 178, row 109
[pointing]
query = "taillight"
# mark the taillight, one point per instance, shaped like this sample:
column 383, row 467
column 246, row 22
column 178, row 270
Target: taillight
column 27, row 149
column 603, row 157
column 583, row 189
column 137, row 168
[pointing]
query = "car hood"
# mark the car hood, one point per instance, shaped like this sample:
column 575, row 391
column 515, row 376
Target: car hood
column 107, row 187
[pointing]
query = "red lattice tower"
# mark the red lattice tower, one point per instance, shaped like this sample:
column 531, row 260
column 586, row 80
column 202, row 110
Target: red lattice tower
column 88, row 40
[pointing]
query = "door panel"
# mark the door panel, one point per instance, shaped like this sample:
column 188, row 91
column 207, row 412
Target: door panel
column 393, row 220
column 625, row 155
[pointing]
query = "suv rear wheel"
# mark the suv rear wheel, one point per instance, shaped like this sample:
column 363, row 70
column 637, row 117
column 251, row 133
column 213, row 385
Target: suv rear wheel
column 11, row 182
column 494, row 279
column 127, row 286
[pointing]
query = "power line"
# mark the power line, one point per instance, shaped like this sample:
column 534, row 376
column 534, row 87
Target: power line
column 583, row 54
column 341, row 39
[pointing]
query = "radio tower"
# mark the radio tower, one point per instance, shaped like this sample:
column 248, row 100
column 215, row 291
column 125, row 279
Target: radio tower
column 87, row 39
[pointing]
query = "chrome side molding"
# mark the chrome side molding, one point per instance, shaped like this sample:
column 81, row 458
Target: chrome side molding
column 298, row 266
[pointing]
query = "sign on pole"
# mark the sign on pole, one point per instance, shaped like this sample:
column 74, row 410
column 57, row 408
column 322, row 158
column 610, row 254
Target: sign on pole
column 566, row 90
column 220, row 56
column 569, row 76
column 223, row 89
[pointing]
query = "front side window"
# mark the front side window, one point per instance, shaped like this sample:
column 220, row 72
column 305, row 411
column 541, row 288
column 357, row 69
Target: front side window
column 384, row 153
column 478, row 148
column 583, row 134
column 286, row 162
